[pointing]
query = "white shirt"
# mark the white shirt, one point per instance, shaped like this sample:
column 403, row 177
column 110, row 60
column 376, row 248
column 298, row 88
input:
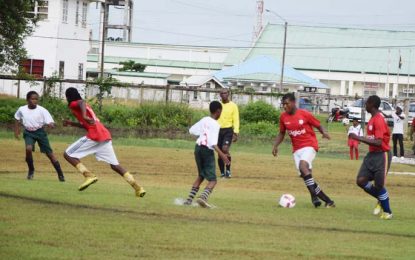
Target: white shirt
column 207, row 130
column 397, row 123
column 33, row 119
column 355, row 130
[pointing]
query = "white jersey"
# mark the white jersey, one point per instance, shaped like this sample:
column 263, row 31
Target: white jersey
column 355, row 130
column 397, row 123
column 33, row 119
column 207, row 130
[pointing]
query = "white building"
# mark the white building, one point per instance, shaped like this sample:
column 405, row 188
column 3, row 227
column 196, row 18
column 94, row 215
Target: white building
column 60, row 42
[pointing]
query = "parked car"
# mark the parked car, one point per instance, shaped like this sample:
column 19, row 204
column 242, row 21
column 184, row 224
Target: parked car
column 355, row 110
column 306, row 104
column 411, row 113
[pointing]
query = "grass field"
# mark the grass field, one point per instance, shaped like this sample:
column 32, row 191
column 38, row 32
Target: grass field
column 45, row 219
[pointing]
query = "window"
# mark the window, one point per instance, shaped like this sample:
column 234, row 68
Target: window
column 61, row 69
column 207, row 96
column 40, row 9
column 77, row 13
column 84, row 14
column 33, row 67
column 208, row 85
column 195, row 95
column 80, row 71
column 65, row 11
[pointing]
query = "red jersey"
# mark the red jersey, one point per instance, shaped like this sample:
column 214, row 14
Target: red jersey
column 97, row 131
column 378, row 129
column 299, row 127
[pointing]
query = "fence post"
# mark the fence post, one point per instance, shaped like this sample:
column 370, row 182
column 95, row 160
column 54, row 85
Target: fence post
column 167, row 93
column 406, row 112
column 18, row 88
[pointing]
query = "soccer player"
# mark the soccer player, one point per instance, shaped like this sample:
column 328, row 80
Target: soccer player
column 34, row 118
column 354, row 144
column 299, row 124
column 207, row 130
column 229, row 130
column 97, row 142
column 397, row 132
column 376, row 164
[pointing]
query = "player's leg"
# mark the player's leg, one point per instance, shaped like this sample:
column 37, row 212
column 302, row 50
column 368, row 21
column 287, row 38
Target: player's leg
column 394, row 141
column 208, row 172
column 356, row 151
column 225, row 150
column 45, row 148
column 196, row 185
column 82, row 148
column 383, row 164
column 29, row 148
column 129, row 178
column 351, row 152
column 402, row 149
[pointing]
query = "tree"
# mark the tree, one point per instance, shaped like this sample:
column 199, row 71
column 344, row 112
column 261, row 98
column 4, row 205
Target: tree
column 16, row 22
column 104, row 88
column 130, row 65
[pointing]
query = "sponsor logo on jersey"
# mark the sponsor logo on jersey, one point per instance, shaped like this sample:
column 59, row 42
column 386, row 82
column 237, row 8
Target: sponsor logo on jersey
column 295, row 133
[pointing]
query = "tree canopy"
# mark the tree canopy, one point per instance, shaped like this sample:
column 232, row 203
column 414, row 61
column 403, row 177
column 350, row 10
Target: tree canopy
column 130, row 65
column 16, row 22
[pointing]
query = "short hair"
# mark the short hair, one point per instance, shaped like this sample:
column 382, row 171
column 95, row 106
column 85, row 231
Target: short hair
column 289, row 96
column 374, row 100
column 30, row 93
column 214, row 106
column 72, row 94
column 355, row 119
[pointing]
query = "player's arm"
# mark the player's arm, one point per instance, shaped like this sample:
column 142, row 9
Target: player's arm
column 82, row 106
column 316, row 123
column 279, row 138
column 368, row 141
column 68, row 122
column 195, row 129
column 222, row 155
column 236, row 124
column 17, row 129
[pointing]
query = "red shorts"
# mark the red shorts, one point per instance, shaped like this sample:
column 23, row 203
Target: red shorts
column 352, row 143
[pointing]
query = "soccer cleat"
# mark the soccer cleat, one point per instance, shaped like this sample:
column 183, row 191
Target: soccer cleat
column 187, row 203
column 140, row 192
column 87, row 183
column 30, row 175
column 330, row 204
column 386, row 216
column 61, row 178
column 222, row 175
column 378, row 209
column 203, row 203
column 228, row 174
column 316, row 201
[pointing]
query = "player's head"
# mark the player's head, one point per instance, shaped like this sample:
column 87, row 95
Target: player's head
column 224, row 95
column 32, row 98
column 398, row 110
column 355, row 122
column 288, row 103
column 72, row 94
column 215, row 108
column 372, row 103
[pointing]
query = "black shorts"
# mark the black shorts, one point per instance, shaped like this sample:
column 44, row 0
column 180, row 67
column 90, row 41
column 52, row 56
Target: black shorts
column 225, row 137
column 375, row 167
column 41, row 137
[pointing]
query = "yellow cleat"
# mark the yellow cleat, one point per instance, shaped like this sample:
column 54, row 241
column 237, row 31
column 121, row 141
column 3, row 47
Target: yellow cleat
column 386, row 216
column 377, row 210
column 87, row 183
column 140, row 192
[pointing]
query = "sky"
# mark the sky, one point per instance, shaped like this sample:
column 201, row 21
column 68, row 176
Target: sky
column 230, row 22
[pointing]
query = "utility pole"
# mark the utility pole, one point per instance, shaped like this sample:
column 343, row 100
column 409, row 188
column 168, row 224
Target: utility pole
column 283, row 48
column 103, row 35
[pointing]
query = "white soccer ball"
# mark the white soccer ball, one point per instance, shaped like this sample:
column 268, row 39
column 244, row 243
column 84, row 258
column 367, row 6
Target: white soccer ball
column 287, row 201
column 346, row 121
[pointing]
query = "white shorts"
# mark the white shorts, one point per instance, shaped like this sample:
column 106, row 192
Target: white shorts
column 304, row 154
column 84, row 146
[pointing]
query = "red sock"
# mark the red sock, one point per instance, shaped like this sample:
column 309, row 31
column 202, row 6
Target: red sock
column 357, row 153
column 351, row 153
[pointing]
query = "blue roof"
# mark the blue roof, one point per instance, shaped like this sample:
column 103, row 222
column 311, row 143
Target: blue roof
column 266, row 69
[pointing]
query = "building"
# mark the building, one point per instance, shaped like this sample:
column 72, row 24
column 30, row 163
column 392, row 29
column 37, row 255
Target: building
column 60, row 42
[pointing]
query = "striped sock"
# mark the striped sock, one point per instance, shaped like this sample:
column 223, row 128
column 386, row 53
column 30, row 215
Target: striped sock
column 384, row 200
column 370, row 189
column 205, row 194
column 192, row 194
column 310, row 184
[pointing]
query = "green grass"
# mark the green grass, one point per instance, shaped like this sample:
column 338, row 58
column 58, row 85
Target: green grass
column 45, row 219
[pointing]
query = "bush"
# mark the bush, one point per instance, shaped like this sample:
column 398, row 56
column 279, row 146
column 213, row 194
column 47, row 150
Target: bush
column 260, row 129
column 259, row 111
column 8, row 108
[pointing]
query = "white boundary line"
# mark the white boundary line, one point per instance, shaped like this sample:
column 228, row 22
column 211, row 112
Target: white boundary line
column 403, row 173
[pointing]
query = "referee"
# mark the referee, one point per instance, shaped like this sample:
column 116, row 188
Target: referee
column 229, row 130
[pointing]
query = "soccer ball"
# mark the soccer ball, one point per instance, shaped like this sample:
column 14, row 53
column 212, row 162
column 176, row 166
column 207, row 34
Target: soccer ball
column 346, row 121
column 287, row 201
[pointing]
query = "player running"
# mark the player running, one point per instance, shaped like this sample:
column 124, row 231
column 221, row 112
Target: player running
column 299, row 123
column 376, row 164
column 229, row 130
column 207, row 130
column 34, row 118
column 97, row 142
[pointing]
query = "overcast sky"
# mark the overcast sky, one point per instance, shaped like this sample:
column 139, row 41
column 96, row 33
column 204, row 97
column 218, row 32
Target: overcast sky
column 231, row 22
